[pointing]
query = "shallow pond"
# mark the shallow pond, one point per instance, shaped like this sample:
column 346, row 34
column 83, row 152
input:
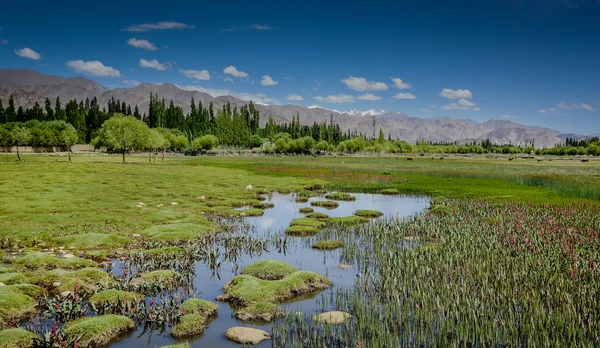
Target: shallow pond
column 299, row 254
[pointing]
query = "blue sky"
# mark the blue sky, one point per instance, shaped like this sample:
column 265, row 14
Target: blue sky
column 534, row 62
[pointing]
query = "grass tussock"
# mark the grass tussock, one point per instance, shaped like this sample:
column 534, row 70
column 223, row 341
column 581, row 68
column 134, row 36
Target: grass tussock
column 368, row 213
column 98, row 331
column 269, row 270
column 328, row 244
column 325, row 204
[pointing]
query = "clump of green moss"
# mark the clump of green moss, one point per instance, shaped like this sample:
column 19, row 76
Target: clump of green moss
column 269, row 269
column 15, row 304
column 98, row 255
column 87, row 279
column 347, row 221
column 328, row 244
column 263, row 205
column 389, row 192
column 113, row 296
column 246, row 290
column 301, row 199
column 12, row 278
column 340, row 196
column 178, row 231
column 93, row 240
column 441, row 209
column 368, row 213
column 17, row 338
column 98, row 331
column 189, row 325
column 161, row 275
column 180, row 345
column 317, row 215
column 306, row 210
column 301, row 231
column 307, row 222
column 325, row 204
column 40, row 260
column 252, row 212
column 265, row 311
column 31, row 290
column 200, row 307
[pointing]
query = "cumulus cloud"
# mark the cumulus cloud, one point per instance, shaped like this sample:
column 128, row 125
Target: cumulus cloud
column 337, row 99
column 543, row 111
column 153, row 64
column 158, row 26
column 233, row 71
column 361, row 84
column 259, row 27
column 228, row 79
column 93, row 68
column 295, row 97
column 465, row 102
column 268, row 81
column 143, row 44
column 132, row 82
column 404, row 96
column 398, row 83
column 196, row 74
column 580, row 106
column 456, row 94
column 368, row 96
column 28, row 53
column 258, row 98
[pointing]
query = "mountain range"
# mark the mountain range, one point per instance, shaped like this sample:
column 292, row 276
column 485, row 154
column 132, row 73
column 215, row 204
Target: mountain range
column 29, row 87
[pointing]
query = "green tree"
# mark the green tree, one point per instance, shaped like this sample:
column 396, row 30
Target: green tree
column 154, row 143
column 20, row 136
column 68, row 138
column 124, row 133
column 206, row 142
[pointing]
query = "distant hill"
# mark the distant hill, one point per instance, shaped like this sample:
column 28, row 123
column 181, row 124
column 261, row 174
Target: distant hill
column 28, row 87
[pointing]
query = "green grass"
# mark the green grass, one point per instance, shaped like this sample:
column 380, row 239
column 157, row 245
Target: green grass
column 199, row 306
column 92, row 241
column 86, row 279
column 14, row 303
column 113, row 296
column 368, row 213
column 317, row 215
column 306, row 210
column 269, row 270
column 264, row 311
column 340, row 196
column 307, row 222
column 40, row 260
column 325, row 204
column 176, row 232
column 16, row 338
column 301, row 231
column 328, row 244
column 246, row 289
column 161, row 275
column 346, row 221
column 98, row 331
column 189, row 325
column 179, row 345
column 12, row 278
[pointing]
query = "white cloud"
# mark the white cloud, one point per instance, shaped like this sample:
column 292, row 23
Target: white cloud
column 268, row 81
column 258, row 98
column 228, row 79
column 433, row 106
column 259, row 27
column 154, row 64
column 196, row 74
column 543, row 111
column 143, row 44
column 425, row 110
column 132, row 82
column 158, row 26
column 580, row 106
column 459, row 106
column 233, row 71
column 465, row 102
column 295, row 97
column 28, row 53
column 404, row 96
column 337, row 99
column 361, row 84
column 230, row 29
column 368, row 96
column 398, row 83
column 456, row 94
column 509, row 117
column 93, row 68
column 3, row 42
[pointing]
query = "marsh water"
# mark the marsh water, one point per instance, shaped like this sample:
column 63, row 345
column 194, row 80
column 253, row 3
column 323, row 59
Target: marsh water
column 298, row 254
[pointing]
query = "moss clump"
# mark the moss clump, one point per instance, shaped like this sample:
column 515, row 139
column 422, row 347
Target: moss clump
column 87, row 279
column 31, row 290
column 269, row 270
column 347, row 221
column 189, row 325
column 180, row 345
column 307, row 222
column 438, row 200
column 161, row 275
column 315, row 187
column 368, row 213
column 265, row 311
column 325, row 204
column 328, row 244
column 263, row 205
column 301, row 199
column 389, row 192
column 6, row 270
column 301, row 231
column 317, row 215
column 15, row 304
column 246, row 290
column 12, row 278
column 16, row 338
column 441, row 209
column 340, row 196
column 113, row 296
column 98, row 331
column 306, row 210
column 93, row 240
column 98, row 255
column 178, row 231
column 200, row 307
column 39, row 260
column 251, row 212
column 164, row 251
